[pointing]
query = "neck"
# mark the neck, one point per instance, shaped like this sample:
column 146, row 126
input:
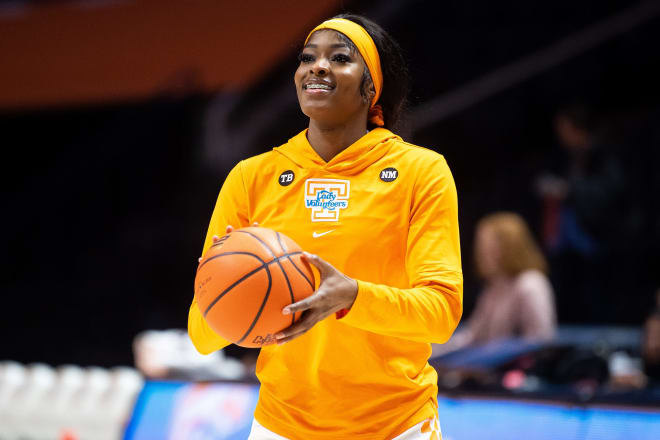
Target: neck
column 329, row 141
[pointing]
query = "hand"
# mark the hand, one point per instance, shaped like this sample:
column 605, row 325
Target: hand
column 228, row 230
column 336, row 292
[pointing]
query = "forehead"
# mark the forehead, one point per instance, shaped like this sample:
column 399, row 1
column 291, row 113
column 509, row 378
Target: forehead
column 326, row 37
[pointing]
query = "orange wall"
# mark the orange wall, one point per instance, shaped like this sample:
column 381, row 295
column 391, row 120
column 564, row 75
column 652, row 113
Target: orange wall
column 76, row 52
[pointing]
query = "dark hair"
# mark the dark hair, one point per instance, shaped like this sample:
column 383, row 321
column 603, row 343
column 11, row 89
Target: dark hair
column 393, row 66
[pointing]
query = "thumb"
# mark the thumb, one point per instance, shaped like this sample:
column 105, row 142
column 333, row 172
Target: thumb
column 323, row 266
column 299, row 306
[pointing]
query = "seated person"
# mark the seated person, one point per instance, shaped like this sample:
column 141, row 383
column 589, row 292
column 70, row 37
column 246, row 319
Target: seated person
column 629, row 372
column 517, row 299
column 651, row 344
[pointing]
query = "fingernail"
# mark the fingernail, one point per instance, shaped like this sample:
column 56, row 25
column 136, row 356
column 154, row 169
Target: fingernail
column 286, row 311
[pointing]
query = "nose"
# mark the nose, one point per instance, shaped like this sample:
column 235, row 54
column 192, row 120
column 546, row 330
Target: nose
column 320, row 66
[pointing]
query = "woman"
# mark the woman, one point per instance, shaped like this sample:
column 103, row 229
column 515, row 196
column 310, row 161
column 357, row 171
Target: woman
column 388, row 250
column 517, row 300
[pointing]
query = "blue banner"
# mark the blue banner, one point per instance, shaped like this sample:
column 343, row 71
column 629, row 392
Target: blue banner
column 224, row 411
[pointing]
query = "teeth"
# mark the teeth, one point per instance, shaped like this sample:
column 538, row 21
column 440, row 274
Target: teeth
column 319, row 86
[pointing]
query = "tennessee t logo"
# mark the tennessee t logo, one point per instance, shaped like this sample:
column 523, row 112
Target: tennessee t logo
column 326, row 197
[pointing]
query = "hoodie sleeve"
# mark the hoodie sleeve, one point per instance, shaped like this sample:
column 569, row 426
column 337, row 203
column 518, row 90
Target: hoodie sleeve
column 431, row 308
column 232, row 209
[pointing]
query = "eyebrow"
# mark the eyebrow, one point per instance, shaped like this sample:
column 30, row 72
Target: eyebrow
column 333, row 46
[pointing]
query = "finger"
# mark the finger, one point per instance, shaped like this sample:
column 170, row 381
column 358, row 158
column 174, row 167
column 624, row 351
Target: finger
column 284, row 340
column 229, row 229
column 303, row 304
column 299, row 328
column 323, row 266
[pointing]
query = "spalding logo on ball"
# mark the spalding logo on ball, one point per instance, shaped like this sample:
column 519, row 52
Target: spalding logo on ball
column 245, row 280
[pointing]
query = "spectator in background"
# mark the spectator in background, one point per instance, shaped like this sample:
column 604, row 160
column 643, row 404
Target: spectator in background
column 517, row 300
column 651, row 344
column 586, row 222
column 629, row 372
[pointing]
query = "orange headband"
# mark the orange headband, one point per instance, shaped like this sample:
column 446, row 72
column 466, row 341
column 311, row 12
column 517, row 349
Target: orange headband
column 367, row 48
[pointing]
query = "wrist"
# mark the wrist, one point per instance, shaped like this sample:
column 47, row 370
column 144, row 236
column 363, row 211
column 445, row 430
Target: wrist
column 351, row 297
column 353, row 293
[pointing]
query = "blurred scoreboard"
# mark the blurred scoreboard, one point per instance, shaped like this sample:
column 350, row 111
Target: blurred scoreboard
column 223, row 411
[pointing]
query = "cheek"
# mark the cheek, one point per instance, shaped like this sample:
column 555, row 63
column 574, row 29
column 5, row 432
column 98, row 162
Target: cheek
column 297, row 82
column 352, row 83
column 297, row 77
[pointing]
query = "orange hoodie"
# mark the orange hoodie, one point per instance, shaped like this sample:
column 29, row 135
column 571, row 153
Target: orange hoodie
column 384, row 212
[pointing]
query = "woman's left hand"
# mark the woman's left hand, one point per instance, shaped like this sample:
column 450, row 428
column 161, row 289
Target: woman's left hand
column 336, row 292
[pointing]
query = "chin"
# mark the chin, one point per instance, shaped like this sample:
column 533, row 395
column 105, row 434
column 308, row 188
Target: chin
column 316, row 111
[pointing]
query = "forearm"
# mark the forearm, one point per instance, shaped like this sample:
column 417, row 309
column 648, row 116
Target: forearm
column 428, row 313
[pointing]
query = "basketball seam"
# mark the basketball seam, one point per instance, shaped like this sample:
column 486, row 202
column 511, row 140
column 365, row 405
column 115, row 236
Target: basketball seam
column 261, row 309
column 236, row 283
column 263, row 243
column 246, row 276
column 264, row 265
column 268, row 248
column 230, row 253
column 219, row 242
column 279, row 240
column 300, row 271
column 293, row 299
column 294, row 264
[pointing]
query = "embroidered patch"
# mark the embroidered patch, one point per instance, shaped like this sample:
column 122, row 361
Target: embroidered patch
column 389, row 174
column 286, row 178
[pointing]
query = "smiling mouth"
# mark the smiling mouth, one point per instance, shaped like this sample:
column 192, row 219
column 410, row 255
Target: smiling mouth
column 317, row 86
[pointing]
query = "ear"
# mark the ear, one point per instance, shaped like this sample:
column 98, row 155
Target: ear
column 371, row 89
column 369, row 93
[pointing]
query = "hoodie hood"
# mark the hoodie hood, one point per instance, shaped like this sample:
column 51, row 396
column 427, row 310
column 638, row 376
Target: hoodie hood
column 355, row 158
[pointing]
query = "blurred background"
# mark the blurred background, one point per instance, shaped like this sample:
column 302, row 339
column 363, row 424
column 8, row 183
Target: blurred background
column 119, row 120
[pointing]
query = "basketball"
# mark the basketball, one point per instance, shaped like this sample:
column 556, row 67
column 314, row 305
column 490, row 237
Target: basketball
column 245, row 280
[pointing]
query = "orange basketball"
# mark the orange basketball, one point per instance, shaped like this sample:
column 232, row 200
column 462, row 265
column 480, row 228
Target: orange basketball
column 245, row 280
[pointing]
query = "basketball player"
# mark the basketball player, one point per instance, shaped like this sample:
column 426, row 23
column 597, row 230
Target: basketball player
column 379, row 218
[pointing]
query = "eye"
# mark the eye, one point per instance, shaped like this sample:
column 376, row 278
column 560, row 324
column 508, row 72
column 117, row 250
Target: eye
column 305, row 58
column 341, row 58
